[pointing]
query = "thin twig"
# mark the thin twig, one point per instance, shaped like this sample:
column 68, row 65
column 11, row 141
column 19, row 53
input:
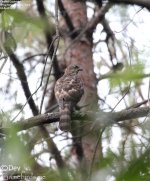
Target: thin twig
column 54, row 54
column 129, row 82
column 32, row 56
column 3, row 64
column 124, row 28
column 49, row 73
column 94, row 154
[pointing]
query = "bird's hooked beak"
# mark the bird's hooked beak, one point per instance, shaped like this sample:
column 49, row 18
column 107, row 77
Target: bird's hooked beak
column 80, row 69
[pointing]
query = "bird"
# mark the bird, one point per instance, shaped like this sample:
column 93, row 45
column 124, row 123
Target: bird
column 68, row 92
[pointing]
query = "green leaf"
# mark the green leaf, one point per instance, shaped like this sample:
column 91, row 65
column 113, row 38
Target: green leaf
column 131, row 73
column 137, row 169
column 21, row 17
column 16, row 153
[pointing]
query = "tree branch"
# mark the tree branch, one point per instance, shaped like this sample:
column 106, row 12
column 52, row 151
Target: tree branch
column 23, row 79
column 67, row 19
column 48, row 36
column 98, row 18
column 129, row 114
column 91, row 25
column 143, row 3
column 105, row 118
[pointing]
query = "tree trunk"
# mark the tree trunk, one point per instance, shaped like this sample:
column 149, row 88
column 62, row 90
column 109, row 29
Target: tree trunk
column 78, row 50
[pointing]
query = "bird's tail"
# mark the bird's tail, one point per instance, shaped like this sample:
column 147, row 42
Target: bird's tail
column 65, row 118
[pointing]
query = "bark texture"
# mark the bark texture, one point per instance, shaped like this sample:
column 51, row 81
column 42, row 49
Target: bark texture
column 78, row 50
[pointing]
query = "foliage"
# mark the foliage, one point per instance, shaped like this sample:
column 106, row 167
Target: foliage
column 123, row 147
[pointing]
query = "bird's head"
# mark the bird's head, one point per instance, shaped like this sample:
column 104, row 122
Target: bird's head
column 73, row 69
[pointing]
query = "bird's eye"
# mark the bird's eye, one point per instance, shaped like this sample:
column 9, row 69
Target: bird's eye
column 75, row 66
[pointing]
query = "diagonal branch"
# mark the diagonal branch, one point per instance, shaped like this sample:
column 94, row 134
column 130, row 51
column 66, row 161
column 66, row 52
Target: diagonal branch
column 91, row 25
column 23, row 79
column 98, row 18
column 67, row 19
column 143, row 3
column 48, row 35
column 65, row 15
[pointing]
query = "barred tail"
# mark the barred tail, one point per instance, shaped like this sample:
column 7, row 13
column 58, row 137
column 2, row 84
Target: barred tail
column 65, row 118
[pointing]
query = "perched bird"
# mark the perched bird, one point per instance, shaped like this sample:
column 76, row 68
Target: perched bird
column 68, row 91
